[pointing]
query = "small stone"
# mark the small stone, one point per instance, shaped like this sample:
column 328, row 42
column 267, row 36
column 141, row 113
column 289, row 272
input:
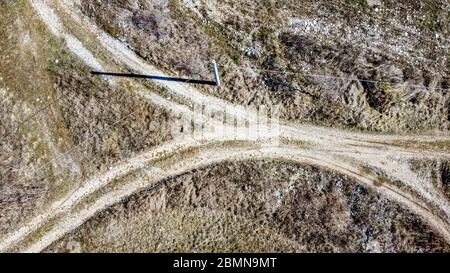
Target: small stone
column 373, row 3
column 73, row 247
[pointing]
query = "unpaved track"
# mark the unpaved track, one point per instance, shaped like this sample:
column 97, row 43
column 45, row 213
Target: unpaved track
column 191, row 95
column 208, row 154
column 331, row 148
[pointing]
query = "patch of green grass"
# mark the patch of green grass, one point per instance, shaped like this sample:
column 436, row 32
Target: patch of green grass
column 381, row 180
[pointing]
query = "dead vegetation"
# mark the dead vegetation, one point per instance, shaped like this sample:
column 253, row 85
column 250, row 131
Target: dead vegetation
column 58, row 124
column 256, row 206
column 24, row 87
column 107, row 124
column 437, row 171
column 244, row 206
column 349, row 39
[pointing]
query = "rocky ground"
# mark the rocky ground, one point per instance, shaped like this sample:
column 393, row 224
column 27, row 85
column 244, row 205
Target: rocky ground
column 255, row 206
column 58, row 124
column 379, row 66
column 404, row 45
column 436, row 171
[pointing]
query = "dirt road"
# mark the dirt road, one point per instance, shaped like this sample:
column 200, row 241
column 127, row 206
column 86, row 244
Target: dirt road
column 342, row 151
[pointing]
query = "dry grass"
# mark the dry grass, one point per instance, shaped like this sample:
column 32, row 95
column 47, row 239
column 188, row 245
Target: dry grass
column 75, row 132
column 256, row 206
column 184, row 39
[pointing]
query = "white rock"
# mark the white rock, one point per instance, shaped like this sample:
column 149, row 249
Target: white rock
column 373, row 2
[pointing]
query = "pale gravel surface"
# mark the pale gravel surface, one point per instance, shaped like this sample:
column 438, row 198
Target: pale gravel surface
column 211, row 156
column 327, row 141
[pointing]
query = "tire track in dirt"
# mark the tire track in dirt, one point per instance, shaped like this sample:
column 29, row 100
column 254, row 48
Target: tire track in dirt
column 359, row 146
column 208, row 157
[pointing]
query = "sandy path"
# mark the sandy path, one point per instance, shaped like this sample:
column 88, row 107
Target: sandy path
column 213, row 155
column 321, row 157
column 88, row 187
column 191, row 95
column 372, row 149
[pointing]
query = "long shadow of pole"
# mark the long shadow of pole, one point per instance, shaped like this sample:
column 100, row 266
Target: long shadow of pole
column 162, row 78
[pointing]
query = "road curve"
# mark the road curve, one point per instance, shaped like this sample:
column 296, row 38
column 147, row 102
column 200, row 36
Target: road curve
column 330, row 148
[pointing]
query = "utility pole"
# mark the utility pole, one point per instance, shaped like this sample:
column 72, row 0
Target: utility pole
column 216, row 81
column 216, row 73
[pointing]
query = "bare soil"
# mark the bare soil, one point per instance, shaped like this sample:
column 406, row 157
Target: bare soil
column 58, row 124
column 256, row 206
column 402, row 44
column 84, row 125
